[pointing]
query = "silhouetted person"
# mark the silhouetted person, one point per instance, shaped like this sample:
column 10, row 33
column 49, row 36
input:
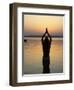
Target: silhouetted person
column 46, row 44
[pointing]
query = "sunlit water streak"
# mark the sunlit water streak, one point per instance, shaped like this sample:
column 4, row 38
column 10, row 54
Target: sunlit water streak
column 33, row 56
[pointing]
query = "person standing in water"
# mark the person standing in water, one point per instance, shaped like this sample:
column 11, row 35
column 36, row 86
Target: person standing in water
column 46, row 45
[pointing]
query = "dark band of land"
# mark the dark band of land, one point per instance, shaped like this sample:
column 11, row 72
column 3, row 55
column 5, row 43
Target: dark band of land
column 41, row 36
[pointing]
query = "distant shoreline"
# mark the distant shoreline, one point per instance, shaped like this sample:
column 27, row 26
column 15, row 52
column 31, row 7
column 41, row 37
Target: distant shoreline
column 41, row 36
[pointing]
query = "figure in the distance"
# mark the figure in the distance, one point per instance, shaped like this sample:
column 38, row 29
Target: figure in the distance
column 46, row 45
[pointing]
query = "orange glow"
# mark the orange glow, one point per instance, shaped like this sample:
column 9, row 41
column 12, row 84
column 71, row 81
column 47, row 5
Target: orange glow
column 36, row 50
column 38, row 23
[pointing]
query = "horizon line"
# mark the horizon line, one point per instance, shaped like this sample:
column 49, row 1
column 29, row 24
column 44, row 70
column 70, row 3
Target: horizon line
column 40, row 36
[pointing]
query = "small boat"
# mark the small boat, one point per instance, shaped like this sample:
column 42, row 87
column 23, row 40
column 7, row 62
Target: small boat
column 25, row 40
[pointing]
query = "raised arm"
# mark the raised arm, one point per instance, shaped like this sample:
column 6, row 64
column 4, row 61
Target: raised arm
column 49, row 35
column 43, row 36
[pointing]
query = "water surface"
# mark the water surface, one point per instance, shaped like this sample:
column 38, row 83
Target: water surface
column 33, row 56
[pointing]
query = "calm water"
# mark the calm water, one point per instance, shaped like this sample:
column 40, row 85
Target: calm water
column 33, row 56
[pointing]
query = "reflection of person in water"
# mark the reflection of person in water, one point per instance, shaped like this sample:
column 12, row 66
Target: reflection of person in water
column 46, row 44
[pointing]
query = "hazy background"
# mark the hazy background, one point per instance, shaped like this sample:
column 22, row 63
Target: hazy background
column 36, row 25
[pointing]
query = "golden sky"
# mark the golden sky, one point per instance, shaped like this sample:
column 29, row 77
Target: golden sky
column 36, row 24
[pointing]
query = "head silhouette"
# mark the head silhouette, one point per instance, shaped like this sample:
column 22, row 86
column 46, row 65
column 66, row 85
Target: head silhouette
column 46, row 38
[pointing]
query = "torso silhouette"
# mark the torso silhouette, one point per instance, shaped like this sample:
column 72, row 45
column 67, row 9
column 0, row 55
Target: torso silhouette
column 46, row 47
